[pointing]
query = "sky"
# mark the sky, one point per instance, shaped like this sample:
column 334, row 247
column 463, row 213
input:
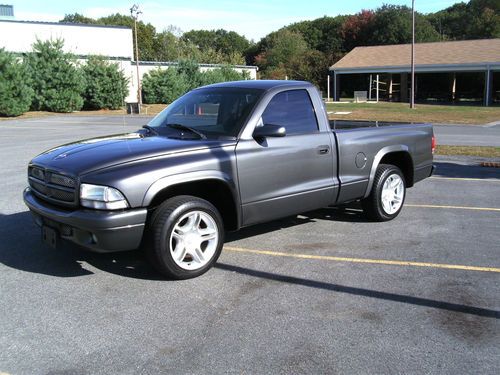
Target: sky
column 254, row 19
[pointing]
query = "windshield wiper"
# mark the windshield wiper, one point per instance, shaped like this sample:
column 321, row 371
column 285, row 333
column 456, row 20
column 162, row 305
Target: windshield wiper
column 188, row 128
column 151, row 129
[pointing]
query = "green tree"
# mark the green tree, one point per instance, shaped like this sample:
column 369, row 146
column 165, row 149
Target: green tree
column 164, row 86
column 310, row 66
column 311, row 34
column 214, row 46
column 222, row 74
column 225, row 42
column 477, row 19
column 190, row 73
column 146, row 34
column 212, row 56
column 15, row 91
column 280, row 47
column 392, row 25
column 77, row 18
column 105, row 84
column 57, row 81
column 168, row 47
column 322, row 34
column 485, row 21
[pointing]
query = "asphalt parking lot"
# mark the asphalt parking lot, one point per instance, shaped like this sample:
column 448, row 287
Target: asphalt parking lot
column 323, row 292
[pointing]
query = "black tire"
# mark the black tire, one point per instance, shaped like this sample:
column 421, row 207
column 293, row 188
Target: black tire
column 372, row 205
column 159, row 230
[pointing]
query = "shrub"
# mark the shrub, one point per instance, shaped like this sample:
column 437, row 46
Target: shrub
column 223, row 74
column 163, row 86
column 57, row 81
column 191, row 72
column 105, row 84
column 15, row 91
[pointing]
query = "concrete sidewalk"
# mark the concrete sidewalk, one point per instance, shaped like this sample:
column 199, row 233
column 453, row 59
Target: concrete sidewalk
column 468, row 135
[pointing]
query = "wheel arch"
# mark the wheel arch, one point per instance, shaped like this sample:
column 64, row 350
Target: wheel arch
column 216, row 188
column 398, row 155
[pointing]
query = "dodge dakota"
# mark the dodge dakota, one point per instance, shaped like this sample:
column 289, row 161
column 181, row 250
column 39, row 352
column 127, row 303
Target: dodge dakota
column 220, row 158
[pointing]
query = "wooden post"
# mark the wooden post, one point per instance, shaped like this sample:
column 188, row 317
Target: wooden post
column 404, row 87
column 328, row 88
column 454, row 87
column 370, row 89
column 336, row 87
column 390, row 88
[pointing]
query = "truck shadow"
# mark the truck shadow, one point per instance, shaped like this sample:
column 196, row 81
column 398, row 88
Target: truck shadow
column 393, row 297
column 21, row 249
column 351, row 213
column 447, row 169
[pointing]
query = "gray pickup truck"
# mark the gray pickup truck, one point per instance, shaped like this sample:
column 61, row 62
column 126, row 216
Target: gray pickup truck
column 220, row 158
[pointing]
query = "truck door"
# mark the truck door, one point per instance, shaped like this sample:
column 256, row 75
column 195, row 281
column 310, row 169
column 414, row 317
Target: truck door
column 280, row 176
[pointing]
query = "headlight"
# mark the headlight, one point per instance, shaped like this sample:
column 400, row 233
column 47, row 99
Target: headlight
column 101, row 197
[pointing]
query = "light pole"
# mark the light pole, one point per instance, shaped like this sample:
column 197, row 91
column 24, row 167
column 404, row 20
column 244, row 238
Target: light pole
column 412, row 94
column 134, row 13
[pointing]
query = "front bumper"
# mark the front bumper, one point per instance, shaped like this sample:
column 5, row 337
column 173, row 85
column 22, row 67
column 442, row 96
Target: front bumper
column 99, row 231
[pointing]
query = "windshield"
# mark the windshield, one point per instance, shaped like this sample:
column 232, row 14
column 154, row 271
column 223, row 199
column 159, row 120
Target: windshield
column 215, row 112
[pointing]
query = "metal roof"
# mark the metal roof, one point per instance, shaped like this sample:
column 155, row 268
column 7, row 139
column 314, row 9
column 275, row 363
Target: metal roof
column 262, row 84
column 437, row 56
column 202, row 65
column 68, row 24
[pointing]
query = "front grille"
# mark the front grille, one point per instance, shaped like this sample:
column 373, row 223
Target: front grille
column 52, row 186
column 64, row 229
column 59, row 179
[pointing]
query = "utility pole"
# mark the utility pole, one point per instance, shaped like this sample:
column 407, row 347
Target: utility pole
column 134, row 13
column 412, row 95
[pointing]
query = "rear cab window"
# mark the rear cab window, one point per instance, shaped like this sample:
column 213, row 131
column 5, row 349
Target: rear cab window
column 293, row 110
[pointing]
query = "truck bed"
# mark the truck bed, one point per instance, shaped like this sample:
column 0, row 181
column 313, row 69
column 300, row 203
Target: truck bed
column 356, row 124
column 360, row 145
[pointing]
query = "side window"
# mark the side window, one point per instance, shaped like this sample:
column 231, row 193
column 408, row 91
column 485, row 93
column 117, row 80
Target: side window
column 292, row 109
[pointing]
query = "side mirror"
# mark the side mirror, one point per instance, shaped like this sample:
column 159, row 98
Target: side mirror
column 269, row 131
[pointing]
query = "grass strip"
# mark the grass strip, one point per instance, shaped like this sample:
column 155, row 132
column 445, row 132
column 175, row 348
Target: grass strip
column 482, row 151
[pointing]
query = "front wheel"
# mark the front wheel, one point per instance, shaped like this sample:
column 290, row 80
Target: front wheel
column 387, row 195
column 186, row 237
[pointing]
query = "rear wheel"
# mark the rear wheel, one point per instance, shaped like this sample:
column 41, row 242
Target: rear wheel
column 185, row 237
column 387, row 195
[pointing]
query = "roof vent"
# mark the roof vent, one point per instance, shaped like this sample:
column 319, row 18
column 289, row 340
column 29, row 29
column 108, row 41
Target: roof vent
column 6, row 10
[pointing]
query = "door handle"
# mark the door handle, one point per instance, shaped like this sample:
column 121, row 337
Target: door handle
column 323, row 150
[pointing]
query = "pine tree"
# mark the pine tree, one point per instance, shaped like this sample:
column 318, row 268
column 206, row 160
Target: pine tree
column 57, row 81
column 105, row 84
column 15, row 91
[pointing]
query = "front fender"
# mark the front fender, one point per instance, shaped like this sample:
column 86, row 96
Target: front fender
column 181, row 178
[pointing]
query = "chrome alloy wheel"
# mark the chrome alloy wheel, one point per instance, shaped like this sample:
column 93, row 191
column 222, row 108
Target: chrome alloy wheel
column 393, row 192
column 194, row 240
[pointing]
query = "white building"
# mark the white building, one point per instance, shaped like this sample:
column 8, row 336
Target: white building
column 113, row 42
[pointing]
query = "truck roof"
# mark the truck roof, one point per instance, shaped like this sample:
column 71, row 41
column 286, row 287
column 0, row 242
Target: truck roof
column 262, row 84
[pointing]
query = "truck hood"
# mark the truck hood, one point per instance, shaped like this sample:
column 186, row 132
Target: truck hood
column 88, row 155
